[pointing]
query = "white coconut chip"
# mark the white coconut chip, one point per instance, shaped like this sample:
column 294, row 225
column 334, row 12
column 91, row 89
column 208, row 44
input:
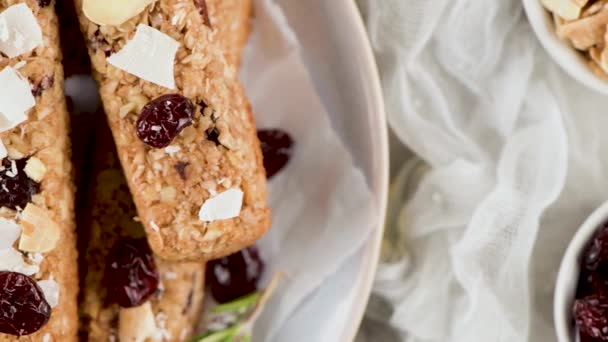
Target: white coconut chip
column 150, row 55
column 225, row 205
column 19, row 31
column 15, row 99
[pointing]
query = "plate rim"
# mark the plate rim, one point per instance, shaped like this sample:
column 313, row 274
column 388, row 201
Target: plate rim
column 371, row 250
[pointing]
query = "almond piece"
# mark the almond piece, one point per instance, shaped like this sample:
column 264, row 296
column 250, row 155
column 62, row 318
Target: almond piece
column 567, row 9
column 35, row 169
column 586, row 32
column 39, row 234
column 136, row 324
column 593, row 8
column 113, row 12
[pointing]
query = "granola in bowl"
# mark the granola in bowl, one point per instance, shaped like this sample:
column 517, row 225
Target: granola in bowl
column 583, row 24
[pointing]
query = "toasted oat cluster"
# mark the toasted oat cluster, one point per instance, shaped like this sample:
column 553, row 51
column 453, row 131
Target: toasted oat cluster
column 38, row 266
column 583, row 23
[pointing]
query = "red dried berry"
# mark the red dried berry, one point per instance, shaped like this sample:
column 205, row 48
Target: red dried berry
column 586, row 338
column 130, row 276
column 16, row 188
column 277, row 148
column 44, row 3
column 592, row 282
column 201, row 5
column 235, row 276
column 23, row 308
column 163, row 118
column 591, row 316
column 596, row 255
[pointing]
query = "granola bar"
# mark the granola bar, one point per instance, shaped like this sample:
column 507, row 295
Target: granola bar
column 175, row 307
column 204, row 195
column 36, row 187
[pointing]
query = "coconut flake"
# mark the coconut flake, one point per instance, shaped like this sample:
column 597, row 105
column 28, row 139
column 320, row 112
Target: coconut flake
column 137, row 323
column 11, row 260
column 9, row 233
column 36, row 258
column 50, row 288
column 15, row 99
column 172, row 149
column 150, row 55
column 170, row 275
column 224, row 206
column 19, row 31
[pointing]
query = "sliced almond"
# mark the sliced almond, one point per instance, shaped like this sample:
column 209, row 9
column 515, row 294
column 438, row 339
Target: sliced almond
column 35, row 169
column 136, row 324
column 39, row 233
column 113, row 12
column 596, row 54
column 586, row 32
column 597, row 70
column 558, row 21
column 603, row 58
column 567, row 9
column 594, row 8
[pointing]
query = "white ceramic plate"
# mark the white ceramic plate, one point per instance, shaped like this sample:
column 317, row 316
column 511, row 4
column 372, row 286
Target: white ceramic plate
column 565, row 55
column 344, row 73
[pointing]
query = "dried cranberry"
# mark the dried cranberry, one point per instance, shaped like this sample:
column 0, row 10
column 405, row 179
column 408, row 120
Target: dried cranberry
column 234, row 276
column 277, row 147
column 597, row 251
column 130, row 276
column 16, row 188
column 163, row 118
column 180, row 167
column 591, row 316
column 45, row 83
column 201, row 5
column 23, row 308
column 586, row 338
column 44, row 3
column 592, row 282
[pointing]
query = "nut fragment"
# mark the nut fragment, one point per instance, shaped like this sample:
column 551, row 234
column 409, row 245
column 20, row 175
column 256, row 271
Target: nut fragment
column 586, row 32
column 584, row 24
column 168, row 194
column 39, row 232
column 35, row 169
column 136, row 324
column 567, row 9
column 113, row 12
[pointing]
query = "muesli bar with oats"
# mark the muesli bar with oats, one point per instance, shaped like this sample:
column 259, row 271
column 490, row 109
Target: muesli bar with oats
column 37, row 227
column 173, row 310
column 200, row 193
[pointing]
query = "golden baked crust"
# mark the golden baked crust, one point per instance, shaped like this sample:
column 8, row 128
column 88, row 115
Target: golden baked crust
column 45, row 136
column 177, row 305
column 169, row 189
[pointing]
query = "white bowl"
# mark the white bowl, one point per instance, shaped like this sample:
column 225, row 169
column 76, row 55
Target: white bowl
column 343, row 70
column 569, row 271
column 563, row 53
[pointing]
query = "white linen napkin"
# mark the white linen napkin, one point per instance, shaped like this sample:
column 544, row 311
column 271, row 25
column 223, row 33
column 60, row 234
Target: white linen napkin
column 518, row 157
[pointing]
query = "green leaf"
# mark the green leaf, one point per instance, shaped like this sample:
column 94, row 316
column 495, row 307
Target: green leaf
column 226, row 335
column 238, row 305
